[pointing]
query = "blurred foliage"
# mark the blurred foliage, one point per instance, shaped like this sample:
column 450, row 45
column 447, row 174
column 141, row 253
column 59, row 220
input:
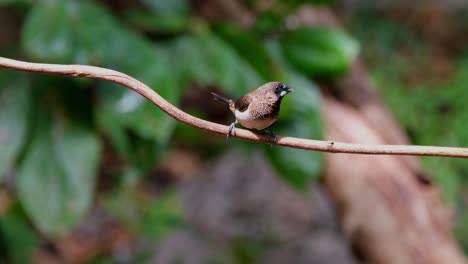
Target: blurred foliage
column 427, row 94
column 17, row 242
column 15, row 97
column 53, row 130
column 319, row 51
column 147, row 216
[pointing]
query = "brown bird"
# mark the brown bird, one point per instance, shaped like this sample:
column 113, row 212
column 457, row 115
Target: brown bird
column 257, row 109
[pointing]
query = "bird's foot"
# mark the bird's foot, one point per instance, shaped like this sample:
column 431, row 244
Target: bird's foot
column 232, row 130
column 272, row 136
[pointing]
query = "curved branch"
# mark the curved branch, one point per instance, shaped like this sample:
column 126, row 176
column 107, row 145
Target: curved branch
column 181, row 116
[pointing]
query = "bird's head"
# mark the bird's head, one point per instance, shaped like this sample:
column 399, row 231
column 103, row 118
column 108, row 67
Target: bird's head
column 275, row 90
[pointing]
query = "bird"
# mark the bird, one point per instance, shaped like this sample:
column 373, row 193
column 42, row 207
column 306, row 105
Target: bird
column 258, row 109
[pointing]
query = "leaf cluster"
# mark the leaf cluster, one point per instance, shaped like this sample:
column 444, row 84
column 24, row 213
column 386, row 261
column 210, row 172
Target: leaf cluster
column 55, row 131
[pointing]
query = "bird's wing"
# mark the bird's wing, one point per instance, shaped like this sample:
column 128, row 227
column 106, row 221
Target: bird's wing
column 243, row 103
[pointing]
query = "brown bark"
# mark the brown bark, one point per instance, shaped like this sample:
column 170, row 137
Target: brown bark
column 390, row 211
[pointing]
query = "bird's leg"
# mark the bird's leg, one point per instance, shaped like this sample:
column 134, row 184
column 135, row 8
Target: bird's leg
column 272, row 135
column 232, row 129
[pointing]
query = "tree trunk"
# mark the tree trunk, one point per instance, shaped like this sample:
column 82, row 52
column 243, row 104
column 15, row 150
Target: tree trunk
column 390, row 210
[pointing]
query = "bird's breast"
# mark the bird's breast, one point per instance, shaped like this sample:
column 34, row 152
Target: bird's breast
column 246, row 119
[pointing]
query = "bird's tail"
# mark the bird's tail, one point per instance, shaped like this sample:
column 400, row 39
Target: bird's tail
column 223, row 99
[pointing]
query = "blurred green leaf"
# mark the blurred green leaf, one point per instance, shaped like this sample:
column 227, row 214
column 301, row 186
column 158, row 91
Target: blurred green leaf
column 445, row 174
column 162, row 216
column 300, row 117
column 166, row 16
column 80, row 27
column 299, row 167
column 207, row 60
column 143, row 19
column 146, row 153
column 81, row 32
column 458, row 98
column 168, row 8
column 15, row 106
column 154, row 130
column 57, row 176
column 268, row 21
column 111, row 124
column 135, row 112
column 121, row 109
column 40, row 185
column 77, row 150
column 70, row 31
column 146, row 118
column 152, row 217
column 319, row 51
column 272, row 19
column 250, row 48
column 18, row 240
column 384, row 37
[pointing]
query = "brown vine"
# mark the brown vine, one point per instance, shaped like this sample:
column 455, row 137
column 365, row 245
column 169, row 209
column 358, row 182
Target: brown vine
column 181, row 116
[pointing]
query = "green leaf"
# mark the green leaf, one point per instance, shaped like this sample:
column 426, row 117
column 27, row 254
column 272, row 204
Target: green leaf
column 71, row 31
column 299, row 167
column 207, row 60
column 163, row 16
column 56, row 179
column 319, row 51
column 109, row 120
column 301, row 117
column 129, row 111
column 249, row 48
column 149, row 216
column 162, row 216
column 80, row 27
column 147, row 21
column 77, row 150
column 168, row 8
column 268, row 21
column 18, row 240
column 15, row 106
column 146, row 118
column 192, row 61
column 306, row 100
column 123, row 108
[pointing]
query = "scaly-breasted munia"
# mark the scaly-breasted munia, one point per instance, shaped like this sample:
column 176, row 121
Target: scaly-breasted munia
column 257, row 109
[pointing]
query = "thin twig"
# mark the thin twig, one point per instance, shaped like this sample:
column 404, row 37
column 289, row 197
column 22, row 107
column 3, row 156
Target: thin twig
column 181, row 116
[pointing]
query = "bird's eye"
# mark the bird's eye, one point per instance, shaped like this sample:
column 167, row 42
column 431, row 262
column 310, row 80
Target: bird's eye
column 278, row 88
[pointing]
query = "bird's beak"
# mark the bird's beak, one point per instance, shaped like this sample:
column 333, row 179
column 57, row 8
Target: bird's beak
column 285, row 91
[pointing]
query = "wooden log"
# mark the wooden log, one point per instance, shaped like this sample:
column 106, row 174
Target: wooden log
column 390, row 211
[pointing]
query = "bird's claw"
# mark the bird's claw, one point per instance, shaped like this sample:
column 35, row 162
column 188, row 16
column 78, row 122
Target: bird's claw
column 272, row 136
column 232, row 130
